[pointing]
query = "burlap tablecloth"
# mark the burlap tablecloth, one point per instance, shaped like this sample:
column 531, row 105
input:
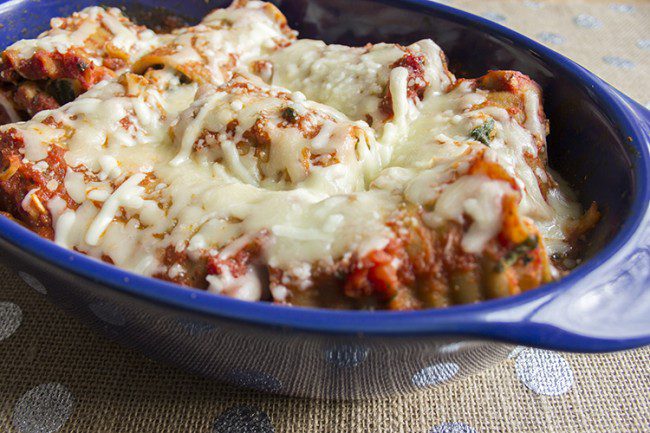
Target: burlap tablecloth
column 55, row 375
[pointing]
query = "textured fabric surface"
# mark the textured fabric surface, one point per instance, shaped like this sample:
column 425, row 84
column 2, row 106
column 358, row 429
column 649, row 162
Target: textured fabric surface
column 611, row 39
column 57, row 376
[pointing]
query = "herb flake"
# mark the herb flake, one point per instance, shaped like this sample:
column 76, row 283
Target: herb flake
column 484, row 133
column 520, row 251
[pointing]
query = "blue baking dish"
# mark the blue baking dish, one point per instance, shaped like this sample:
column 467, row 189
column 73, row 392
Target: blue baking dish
column 599, row 142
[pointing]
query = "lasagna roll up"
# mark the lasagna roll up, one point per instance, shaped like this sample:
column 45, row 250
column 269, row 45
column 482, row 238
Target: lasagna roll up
column 75, row 54
column 71, row 159
column 376, row 83
column 224, row 40
column 509, row 118
column 274, row 139
column 466, row 243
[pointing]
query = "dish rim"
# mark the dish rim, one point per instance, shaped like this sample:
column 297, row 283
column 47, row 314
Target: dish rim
column 457, row 320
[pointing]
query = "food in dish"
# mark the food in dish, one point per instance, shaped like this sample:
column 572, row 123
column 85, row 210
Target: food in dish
column 233, row 157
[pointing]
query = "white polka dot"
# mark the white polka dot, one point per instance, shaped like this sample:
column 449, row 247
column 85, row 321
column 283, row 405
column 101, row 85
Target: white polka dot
column 11, row 317
column 33, row 282
column 533, row 4
column 587, row 21
column 647, row 105
column 516, row 351
column 346, row 355
column 551, row 38
column 452, row 347
column 493, row 16
column 452, row 427
column 108, row 313
column 255, row 380
column 619, row 62
column 435, row 374
column 644, row 44
column 544, row 372
column 193, row 327
column 623, row 8
column 43, row 409
column 243, row 419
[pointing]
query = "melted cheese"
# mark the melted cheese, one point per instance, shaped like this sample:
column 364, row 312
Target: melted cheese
column 478, row 197
column 206, row 170
column 354, row 79
column 85, row 29
column 316, row 147
column 128, row 195
column 225, row 40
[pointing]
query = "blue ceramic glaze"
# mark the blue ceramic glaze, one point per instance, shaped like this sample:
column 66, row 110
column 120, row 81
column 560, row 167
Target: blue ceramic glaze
column 600, row 142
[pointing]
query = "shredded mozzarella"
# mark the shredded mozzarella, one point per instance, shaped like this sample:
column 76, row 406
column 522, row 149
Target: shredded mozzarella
column 128, row 195
column 309, row 162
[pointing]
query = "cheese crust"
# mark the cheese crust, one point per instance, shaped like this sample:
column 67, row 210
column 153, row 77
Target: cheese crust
column 233, row 157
